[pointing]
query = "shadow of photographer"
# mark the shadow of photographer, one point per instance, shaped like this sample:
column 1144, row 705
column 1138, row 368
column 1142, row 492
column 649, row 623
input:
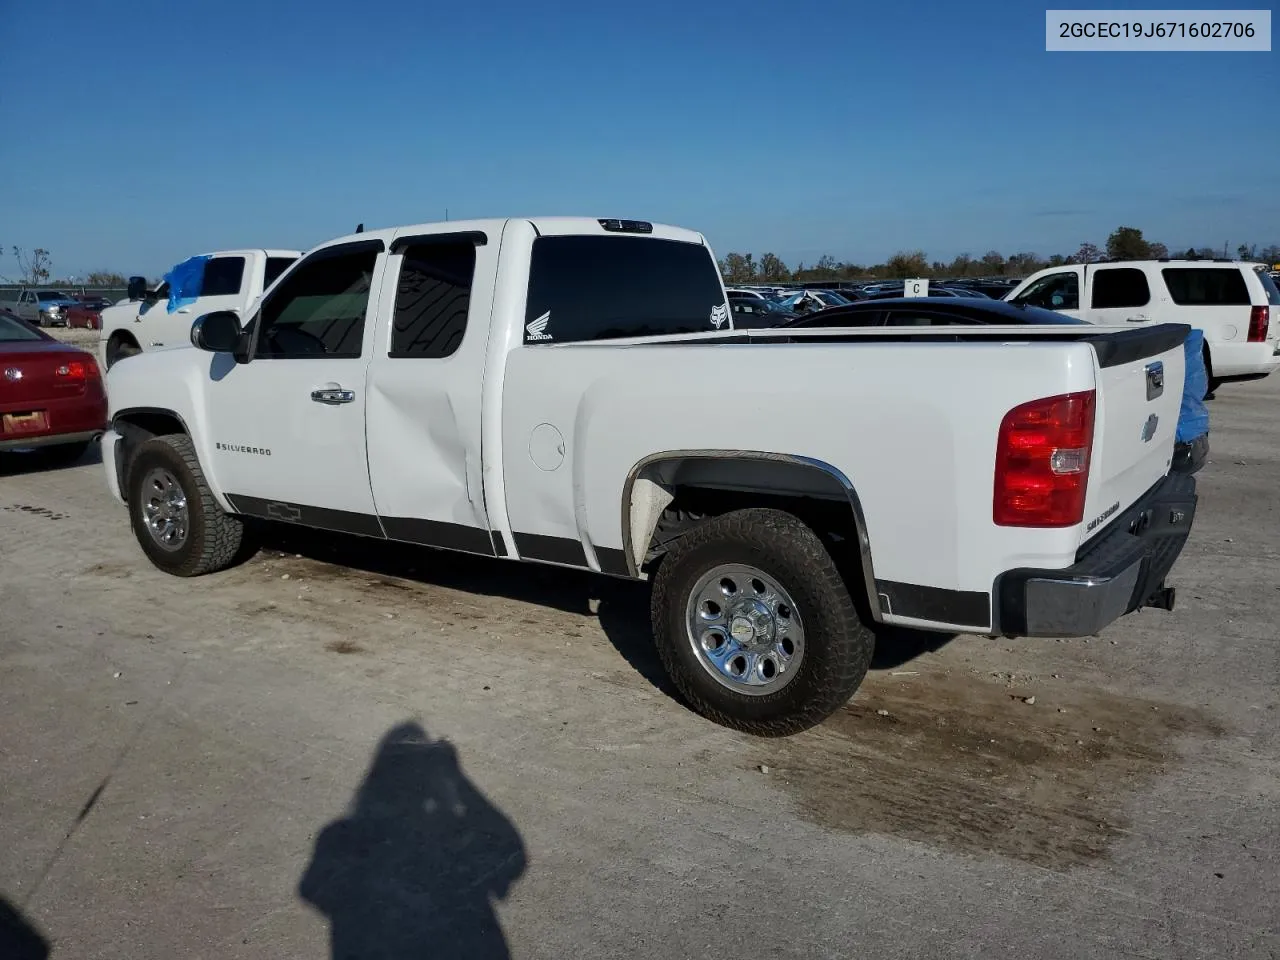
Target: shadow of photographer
column 415, row 869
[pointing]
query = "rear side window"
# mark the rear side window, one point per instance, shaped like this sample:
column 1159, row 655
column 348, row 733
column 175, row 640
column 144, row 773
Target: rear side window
column 222, row 277
column 1269, row 285
column 1057, row 291
column 275, row 267
column 1120, row 287
column 1206, row 286
column 598, row 288
column 432, row 299
column 319, row 309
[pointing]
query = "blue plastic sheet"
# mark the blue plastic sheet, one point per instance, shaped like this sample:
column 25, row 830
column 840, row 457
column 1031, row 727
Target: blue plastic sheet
column 184, row 282
column 1193, row 419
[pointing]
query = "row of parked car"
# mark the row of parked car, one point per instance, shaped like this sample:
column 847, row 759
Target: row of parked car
column 58, row 308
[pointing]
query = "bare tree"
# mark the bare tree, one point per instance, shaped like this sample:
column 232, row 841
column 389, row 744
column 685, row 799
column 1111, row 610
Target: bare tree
column 34, row 268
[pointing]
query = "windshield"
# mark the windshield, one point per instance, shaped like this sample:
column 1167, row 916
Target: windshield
column 52, row 295
column 12, row 330
column 832, row 299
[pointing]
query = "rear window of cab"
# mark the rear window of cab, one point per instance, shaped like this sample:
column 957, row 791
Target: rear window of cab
column 600, row 288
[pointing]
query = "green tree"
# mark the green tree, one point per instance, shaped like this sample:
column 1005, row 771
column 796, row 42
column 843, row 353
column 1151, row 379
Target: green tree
column 105, row 278
column 993, row 262
column 908, row 263
column 772, row 269
column 1157, row 251
column 1127, row 243
column 1057, row 260
column 1247, row 251
column 738, row 268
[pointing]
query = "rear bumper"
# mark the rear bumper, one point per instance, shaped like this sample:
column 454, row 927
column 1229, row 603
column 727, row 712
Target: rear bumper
column 1241, row 360
column 70, row 420
column 1120, row 571
column 47, row 440
column 1190, row 457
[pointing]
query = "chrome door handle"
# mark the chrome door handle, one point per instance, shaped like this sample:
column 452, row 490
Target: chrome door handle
column 1140, row 318
column 333, row 394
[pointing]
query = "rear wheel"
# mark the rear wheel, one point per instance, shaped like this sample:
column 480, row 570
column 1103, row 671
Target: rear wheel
column 755, row 625
column 175, row 518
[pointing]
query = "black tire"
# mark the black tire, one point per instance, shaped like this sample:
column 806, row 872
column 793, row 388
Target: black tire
column 65, row 454
column 838, row 645
column 119, row 347
column 215, row 539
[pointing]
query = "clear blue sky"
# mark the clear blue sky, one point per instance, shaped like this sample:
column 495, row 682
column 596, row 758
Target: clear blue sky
column 136, row 134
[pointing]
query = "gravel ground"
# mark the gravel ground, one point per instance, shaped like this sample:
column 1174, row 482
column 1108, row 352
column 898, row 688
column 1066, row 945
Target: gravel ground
column 399, row 754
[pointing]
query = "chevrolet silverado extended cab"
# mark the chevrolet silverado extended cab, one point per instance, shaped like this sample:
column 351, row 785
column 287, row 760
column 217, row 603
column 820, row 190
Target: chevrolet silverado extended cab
column 230, row 280
column 572, row 392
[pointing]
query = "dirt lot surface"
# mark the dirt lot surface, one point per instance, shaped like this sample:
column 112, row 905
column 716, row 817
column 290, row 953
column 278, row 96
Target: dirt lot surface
column 336, row 747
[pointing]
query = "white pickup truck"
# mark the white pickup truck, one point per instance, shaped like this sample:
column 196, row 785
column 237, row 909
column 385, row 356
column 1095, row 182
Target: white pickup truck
column 571, row 392
column 233, row 280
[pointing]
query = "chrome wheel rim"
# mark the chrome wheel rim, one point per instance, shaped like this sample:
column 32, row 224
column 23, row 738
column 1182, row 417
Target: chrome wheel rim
column 164, row 509
column 745, row 629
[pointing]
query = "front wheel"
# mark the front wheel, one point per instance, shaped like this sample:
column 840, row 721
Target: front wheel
column 175, row 518
column 118, row 348
column 755, row 625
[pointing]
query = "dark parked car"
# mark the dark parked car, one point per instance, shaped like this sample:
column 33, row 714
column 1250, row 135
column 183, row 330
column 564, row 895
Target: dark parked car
column 756, row 314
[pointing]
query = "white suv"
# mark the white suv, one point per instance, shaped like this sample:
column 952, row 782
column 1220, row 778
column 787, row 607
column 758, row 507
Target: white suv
column 1235, row 303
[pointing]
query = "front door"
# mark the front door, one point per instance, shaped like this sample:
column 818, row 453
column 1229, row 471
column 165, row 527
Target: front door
column 1058, row 291
column 221, row 288
column 288, row 428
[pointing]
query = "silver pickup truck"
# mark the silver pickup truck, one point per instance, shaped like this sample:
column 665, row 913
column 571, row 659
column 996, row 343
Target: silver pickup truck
column 44, row 308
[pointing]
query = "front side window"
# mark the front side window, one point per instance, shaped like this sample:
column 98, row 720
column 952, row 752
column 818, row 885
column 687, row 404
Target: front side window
column 433, row 296
column 1056, row 291
column 319, row 309
column 602, row 287
column 222, row 277
column 1120, row 287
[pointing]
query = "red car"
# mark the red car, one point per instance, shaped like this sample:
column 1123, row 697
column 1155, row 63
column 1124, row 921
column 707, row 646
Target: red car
column 85, row 315
column 51, row 394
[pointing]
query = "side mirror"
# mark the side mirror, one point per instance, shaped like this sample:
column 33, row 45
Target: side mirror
column 218, row 332
column 137, row 288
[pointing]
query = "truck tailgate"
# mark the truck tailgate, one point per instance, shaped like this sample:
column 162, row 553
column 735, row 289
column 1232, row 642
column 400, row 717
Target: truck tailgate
column 1139, row 393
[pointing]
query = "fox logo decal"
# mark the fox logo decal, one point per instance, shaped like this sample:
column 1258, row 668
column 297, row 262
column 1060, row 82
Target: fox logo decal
column 719, row 315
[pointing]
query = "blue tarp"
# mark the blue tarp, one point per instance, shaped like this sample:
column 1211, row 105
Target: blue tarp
column 1193, row 419
column 184, row 282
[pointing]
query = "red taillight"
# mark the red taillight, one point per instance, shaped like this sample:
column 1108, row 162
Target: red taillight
column 78, row 370
column 1042, row 462
column 1259, row 320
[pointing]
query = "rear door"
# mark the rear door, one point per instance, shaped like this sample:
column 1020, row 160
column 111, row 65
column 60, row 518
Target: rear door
column 424, row 389
column 1140, row 376
column 1118, row 294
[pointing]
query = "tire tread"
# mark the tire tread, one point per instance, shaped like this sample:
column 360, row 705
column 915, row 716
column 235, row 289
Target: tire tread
column 847, row 645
